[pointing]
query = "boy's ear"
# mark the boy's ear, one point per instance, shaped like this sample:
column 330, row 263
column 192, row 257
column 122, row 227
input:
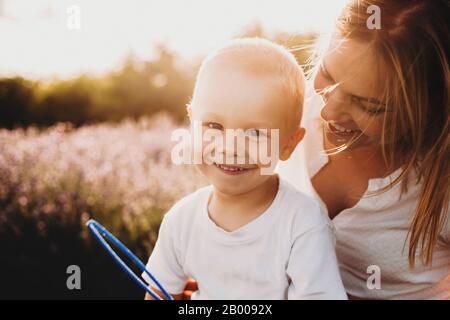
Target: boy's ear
column 294, row 140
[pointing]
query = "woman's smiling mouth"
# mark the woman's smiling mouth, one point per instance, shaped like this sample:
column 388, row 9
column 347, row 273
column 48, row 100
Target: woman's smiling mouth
column 337, row 129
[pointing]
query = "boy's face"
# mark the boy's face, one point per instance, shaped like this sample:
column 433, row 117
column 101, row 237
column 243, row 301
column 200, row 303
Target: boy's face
column 233, row 99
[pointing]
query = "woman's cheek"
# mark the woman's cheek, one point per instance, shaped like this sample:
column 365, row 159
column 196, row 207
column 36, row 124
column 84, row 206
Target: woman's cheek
column 372, row 127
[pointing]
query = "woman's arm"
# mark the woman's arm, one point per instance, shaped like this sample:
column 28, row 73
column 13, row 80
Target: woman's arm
column 191, row 286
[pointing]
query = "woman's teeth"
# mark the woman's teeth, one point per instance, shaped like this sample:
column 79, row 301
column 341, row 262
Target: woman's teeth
column 341, row 129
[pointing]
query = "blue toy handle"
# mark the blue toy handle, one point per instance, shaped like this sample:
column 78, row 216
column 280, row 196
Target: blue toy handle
column 100, row 232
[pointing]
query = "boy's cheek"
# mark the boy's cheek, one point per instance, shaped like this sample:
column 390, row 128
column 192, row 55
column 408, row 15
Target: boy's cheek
column 201, row 168
column 206, row 170
column 264, row 152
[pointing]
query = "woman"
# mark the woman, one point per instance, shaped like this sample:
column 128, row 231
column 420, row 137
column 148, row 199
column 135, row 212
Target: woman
column 376, row 151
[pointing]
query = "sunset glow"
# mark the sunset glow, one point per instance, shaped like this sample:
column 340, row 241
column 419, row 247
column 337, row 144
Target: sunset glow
column 36, row 42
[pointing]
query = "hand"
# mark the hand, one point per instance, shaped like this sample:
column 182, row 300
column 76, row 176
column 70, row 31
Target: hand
column 191, row 286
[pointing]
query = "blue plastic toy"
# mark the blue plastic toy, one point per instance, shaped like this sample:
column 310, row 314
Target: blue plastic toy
column 101, row 233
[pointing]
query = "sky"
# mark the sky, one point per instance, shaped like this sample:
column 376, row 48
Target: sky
column 45, row 38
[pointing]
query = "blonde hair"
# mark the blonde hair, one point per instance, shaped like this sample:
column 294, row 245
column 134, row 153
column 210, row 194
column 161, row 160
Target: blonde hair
column 413, row 45
column 262, row 58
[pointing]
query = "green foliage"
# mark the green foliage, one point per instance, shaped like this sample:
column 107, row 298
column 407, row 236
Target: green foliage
column 16, row 101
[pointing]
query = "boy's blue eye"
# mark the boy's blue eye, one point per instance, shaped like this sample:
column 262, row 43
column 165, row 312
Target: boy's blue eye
column 215, row 126
column 254, row 133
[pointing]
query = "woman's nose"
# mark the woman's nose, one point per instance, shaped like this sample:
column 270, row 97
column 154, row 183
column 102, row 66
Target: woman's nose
column 335, row 106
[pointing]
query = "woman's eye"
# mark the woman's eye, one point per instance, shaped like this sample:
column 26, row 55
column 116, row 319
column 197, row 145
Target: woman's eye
column 374, row 112
column 215, row 126
column 368, row 109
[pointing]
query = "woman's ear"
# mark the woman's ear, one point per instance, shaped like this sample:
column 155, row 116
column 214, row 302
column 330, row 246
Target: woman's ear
column 293, row 141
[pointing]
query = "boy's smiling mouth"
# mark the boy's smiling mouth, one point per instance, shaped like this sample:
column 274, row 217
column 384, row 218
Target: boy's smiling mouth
column 233, row 169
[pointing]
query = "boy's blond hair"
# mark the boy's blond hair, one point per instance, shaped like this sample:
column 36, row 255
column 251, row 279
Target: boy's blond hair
column 263, row 58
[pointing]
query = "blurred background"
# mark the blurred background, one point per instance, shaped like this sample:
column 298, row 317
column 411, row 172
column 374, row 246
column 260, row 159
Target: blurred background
column 90, row 92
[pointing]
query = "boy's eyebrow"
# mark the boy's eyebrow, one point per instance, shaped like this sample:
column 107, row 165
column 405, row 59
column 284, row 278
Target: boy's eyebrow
column 365, row 99
column 211, row 115
column 260, row 125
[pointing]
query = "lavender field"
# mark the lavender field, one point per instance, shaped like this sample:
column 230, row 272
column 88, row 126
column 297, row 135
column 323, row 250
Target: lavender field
column 52, row 181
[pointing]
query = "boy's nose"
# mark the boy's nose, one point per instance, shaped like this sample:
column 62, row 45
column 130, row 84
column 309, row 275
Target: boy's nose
column 230, row 156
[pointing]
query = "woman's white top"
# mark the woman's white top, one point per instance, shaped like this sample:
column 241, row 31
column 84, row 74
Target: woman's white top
column 371, row 237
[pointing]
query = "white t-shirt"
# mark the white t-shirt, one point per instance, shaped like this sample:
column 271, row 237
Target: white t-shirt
column 285, row 253
column 372, row 235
